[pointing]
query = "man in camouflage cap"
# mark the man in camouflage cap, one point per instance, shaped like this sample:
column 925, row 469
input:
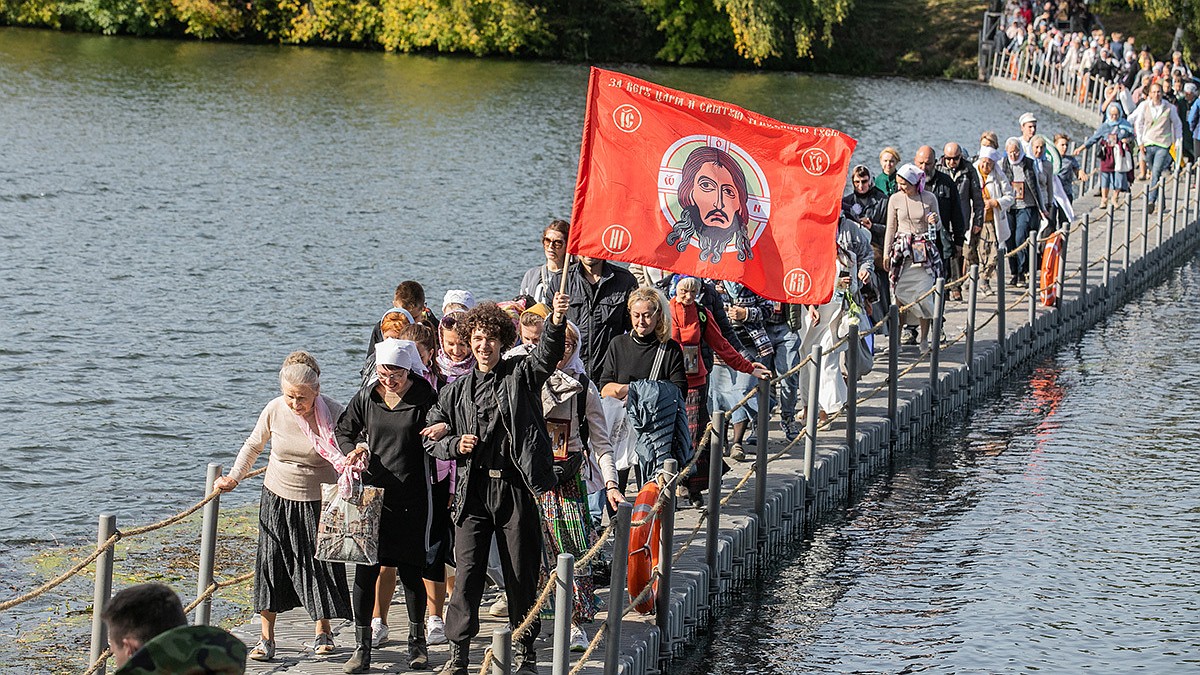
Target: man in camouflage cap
column 148, row 633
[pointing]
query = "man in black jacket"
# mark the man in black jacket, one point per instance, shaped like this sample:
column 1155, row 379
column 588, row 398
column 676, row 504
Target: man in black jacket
column 970, row 200
column 598, row 290
column 490, row 421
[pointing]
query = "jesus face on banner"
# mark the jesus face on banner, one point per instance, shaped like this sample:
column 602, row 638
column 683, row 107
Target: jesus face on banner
column 714, row 201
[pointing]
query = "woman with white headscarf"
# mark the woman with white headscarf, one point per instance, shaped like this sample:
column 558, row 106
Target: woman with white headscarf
column 911, row 245
column 390, row 415
column 584, row 460
column 997, row 200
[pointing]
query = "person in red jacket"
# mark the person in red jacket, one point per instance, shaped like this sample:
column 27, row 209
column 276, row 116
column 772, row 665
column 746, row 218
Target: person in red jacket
column 692, row 324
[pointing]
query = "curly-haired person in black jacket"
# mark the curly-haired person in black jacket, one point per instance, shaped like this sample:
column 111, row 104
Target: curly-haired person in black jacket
column 490, row 422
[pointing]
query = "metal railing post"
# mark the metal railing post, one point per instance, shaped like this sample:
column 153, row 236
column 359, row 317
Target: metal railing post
column 1032, row 273
column 564, row 603
column 208, row 546
column 502, row 647
column 852, row 341
column 1083, row 259
column 617, row 595
column 1146, row 225
column 1001, row 329
column 1174, row 207
column 720, row 426
column 1061, row 282
column 1187, row 200
column 972, row 309
column 814, row 409
column 1108, row 254
column 760, row 460
column 893, row 327
column 662, row 602
column 935, row 340
column 1128, row 229
column 106, row 528
column 1162, row 209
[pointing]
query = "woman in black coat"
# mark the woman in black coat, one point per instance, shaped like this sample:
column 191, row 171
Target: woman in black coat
column 390, row 415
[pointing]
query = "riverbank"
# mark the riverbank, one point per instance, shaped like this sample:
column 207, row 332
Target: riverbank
column 925, row 38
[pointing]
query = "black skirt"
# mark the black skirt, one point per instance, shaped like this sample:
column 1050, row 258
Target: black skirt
column 286, row 575
column 441, row 532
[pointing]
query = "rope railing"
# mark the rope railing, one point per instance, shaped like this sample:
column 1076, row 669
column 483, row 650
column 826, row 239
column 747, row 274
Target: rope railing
column 110, row 543
column 99, row 663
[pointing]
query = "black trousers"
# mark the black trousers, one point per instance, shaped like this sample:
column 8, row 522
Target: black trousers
column 506, row 508
column 409, row 577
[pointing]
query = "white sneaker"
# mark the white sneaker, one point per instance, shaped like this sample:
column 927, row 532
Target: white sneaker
column 499, row 608
column 579, row 639
column 379, row 632
column 435, row 630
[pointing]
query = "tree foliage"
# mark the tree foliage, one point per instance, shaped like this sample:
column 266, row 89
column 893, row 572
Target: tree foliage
column 1176, row 13
column 678, row 31
column 757, row 30
column 477, row 27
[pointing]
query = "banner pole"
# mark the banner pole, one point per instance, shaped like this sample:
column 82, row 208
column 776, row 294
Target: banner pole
column 562, row 284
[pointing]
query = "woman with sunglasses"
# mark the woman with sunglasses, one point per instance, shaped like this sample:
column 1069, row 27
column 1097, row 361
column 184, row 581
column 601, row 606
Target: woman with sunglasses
column 542, row 281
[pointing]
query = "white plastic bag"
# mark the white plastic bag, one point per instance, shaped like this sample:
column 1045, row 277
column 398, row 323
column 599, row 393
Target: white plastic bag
column 619, row 431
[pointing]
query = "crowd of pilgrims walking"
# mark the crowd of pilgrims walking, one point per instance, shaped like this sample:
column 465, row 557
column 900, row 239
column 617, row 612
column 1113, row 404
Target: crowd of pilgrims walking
column 504, row 433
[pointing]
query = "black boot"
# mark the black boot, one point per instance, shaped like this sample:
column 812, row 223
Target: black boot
column 418, row 651
column 525, row 658
column 360, row 660
column 457, row 663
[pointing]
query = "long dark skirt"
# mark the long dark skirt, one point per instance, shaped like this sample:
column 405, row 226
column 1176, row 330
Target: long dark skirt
column 441, row 533
column 698, row 419
column 286, row 575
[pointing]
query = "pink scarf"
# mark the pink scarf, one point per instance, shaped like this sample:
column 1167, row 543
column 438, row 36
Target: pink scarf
column 443, row 467
column 452, row 370
column 349, row 475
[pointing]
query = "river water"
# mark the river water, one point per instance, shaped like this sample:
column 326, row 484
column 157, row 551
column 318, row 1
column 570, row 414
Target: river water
column 1052, row 529
column 178, row 216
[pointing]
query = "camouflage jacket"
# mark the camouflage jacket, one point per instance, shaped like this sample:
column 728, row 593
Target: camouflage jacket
column 189, row 650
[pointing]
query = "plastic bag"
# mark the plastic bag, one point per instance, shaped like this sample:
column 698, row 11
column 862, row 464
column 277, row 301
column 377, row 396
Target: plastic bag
column 348, row 531
column 619, row 435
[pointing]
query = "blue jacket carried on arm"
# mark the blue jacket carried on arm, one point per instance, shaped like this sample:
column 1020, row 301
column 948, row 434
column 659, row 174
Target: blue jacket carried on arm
column 658, row 415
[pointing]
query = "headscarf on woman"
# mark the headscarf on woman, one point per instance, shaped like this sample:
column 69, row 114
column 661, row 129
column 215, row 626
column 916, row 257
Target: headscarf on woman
column 913, row 175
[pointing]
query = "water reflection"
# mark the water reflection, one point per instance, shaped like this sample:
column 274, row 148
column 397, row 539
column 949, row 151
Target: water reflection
column 1043, row 532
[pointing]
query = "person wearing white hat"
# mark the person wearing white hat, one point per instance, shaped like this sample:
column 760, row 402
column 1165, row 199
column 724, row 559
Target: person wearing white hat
column 913, row 257
column 391, row 414
column 1029, row 125
column 457, row 301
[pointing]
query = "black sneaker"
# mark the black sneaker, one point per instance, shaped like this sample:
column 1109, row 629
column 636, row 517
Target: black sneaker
column 908, row 336
column 790, row 431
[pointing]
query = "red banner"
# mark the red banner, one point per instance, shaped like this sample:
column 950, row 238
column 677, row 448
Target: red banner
column 700, row 187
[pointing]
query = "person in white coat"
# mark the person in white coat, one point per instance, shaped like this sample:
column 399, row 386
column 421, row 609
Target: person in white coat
column 997, row 200
column 827, row 324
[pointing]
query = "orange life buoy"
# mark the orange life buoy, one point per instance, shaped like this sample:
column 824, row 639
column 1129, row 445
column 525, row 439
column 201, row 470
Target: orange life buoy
column 643, row 546
column 1051, row 264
